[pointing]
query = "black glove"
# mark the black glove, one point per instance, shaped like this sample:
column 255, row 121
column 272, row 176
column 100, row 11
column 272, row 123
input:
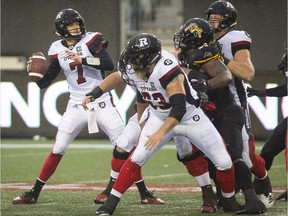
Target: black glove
column 255, row 92
column 182, row 60
column 95, row 93
column 200, row 85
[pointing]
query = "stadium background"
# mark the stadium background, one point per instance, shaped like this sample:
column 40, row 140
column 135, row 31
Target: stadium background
column 28, row 26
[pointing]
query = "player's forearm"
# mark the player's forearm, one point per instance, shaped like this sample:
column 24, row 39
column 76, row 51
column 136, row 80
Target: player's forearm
column 221, row 80
column 168, row 125
column 110, row 82
column 279, row 91
column 241, row 70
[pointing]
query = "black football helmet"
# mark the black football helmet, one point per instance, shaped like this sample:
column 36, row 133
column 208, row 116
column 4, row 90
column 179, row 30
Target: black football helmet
column 143, row 50
column 194, row 33
column 64, row 18
column 282, row 67
column 227, row 10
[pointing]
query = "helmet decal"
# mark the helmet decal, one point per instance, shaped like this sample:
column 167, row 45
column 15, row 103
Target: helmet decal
column 194, row 29
column 143, row 42
column 59, row 15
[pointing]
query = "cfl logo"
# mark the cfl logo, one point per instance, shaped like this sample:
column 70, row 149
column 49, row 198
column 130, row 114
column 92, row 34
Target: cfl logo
column 143, row 42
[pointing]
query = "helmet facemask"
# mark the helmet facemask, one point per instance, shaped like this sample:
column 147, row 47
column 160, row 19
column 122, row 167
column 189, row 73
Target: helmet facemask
column 282, row 67
column 125, row 68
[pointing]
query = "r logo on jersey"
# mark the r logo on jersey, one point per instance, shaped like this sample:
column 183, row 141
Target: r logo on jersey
column 102, row 105
column 168, row 62
column 196, row 118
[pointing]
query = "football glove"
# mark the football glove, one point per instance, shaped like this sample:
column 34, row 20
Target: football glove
column 200, row 85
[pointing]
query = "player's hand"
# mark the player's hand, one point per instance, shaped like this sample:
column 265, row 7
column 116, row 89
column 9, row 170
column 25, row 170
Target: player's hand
column 86, row 100
column 255, row 92
column 182, row 60
column 200, row 85
column 154, row 141
column 74, row 56
column 205, row 103
column 28, row 67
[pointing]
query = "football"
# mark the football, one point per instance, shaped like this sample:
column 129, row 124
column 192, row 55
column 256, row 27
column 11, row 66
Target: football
column 37, row 67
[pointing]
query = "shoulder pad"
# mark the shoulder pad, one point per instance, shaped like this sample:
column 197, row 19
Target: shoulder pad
column 203, row 55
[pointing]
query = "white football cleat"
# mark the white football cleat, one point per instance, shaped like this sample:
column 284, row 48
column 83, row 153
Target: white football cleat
column 267, row 200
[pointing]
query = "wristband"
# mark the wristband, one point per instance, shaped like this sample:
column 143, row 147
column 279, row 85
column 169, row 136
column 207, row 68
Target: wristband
column 91, row 61
column 95, row 93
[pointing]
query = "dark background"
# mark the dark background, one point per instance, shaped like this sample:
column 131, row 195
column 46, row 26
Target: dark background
column 28, row 26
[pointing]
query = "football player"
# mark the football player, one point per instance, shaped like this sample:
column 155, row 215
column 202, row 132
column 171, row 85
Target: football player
column 174, row 110
column 228, row 117
column 235, row 46
column 278, row 139
column 83, row 58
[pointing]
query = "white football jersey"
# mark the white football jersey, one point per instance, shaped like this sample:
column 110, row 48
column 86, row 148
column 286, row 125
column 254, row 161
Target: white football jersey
column 232, row 42
column 154, row 91
column 81, row 78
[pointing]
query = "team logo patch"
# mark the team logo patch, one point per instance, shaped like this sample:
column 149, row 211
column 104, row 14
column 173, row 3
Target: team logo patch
column 152, row 84
column 78, row 49
column 207, row 54
column 168, row 62
column 194, row 29
column 102, row 105
column 196, row 118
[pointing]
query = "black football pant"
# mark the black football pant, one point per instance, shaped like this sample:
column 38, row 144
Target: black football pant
column 275, row 143
column 229, row 121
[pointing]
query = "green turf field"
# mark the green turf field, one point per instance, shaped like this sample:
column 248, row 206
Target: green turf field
column 88, row 166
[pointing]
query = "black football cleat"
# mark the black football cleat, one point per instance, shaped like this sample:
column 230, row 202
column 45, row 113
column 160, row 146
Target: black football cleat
column 109, row 206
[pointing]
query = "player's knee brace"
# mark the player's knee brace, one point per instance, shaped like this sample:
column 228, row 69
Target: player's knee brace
column 120, row 155
column 196, row 164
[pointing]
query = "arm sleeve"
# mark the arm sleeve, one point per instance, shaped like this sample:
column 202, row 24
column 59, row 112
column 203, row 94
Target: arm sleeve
column 51, row 74
column 279, row 91
column 98, row 49
column 178, row 104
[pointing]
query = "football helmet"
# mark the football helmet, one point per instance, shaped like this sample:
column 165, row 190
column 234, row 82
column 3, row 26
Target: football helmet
column 64, row 18
column 282, row 67
column 194, row 33
column 143, row 50
column 227, row 10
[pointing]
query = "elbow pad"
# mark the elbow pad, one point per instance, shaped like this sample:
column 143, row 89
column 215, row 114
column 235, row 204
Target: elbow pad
column 178, row 104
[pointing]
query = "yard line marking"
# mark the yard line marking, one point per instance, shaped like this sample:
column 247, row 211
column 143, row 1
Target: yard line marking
column 168, row 188
column 146, row 177
column 76, row 146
